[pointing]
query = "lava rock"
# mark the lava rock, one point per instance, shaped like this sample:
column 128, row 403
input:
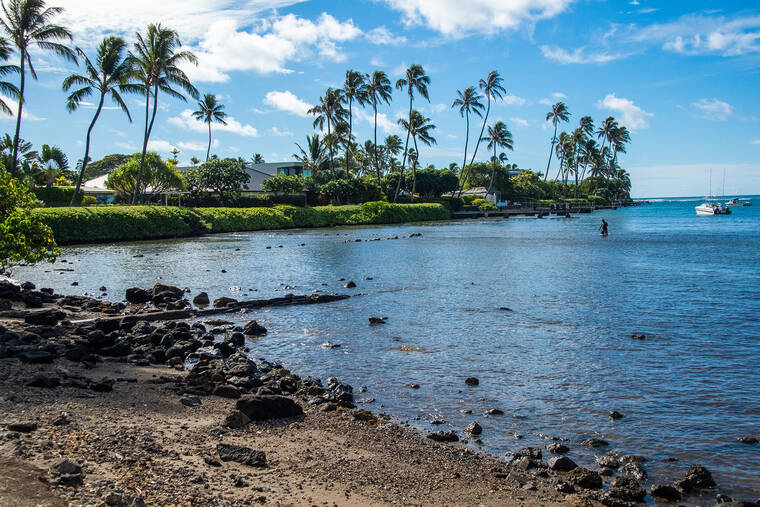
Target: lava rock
column 265, row 407
column 240, row 454
column 474, row 428
column 104, row 386
column 364, row 415
column 376, row 321
column 160, row 288
column 562, row 464
column 190, row 401
column 22, row 427
column 44, row 381
column 224, row 302
column 747, row 440
column 607, row 461
column 594, row 442
column 253, row 328
column 471, row 381
column 615, row 415
column 237, row 420
column 557, row 448
column 49, row 317
column 444, row 436
column 494, row 411
column 627, row 489
column 350, row 284
column 201, row 299
column 138, row 296
column 227, row 391
column 665, row 492
column 584, row 478
column 634, row 470
column 700, row 477
column 36, row 357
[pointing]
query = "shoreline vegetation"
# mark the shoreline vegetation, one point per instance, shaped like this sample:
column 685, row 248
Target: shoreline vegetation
column 215, row 425
column 127, row 223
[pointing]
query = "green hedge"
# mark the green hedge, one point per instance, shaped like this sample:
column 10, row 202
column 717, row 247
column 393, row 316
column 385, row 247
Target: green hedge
column 124, row 223
column 56, row 196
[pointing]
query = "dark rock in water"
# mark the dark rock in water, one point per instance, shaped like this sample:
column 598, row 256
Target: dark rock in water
column 350, row 284
column 627, row 489
column 376, row 321
column 700, row 477
column 28, row 286
column 262, row 408
column 639, row 336
column 138, row 296
column 44, row 381
column 49, row 317
column 227, row 391
column 615, row 415
column 528, row 452
column 562, row 464
column 224, row 302
column 471, row 381
column 253, row 328
column 594, row 442
column 634, row 470
column 160, row 288
column 190, row 401
column 665, row 492
column 557, row 448
column 36, row 357
column 494, row 411
column 240, row 454
column 607, row 461
column 22, row 427
column 237, row 339
column 444, row 436
column 747, row 440
column 201, row 299
column 364, row 415
column 412, row 386
column 584, row 478
column 606, row 472
column 474, row 428
column 505, row 309
column 237, row 420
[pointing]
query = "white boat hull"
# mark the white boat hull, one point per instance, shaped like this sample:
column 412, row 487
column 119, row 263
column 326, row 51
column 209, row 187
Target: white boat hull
column 707, row 209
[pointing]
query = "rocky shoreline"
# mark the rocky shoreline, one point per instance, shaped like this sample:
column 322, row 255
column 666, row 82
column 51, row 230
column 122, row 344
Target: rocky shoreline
column 139, row 403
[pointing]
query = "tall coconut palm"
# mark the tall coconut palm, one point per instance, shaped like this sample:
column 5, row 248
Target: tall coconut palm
column 329, row 111
column 353, row 89
column 621, row 137
column 28, row 23
column 493, row 90
column 558, row 113
column 392, row 148
column 498, row 136
column 414, row 80
column 108, row 75
column 209, row 111
column 156, row 60
column 590, row 153
column 607, row 133
column 313, row 157
column 5, row 69
column 418, row 127
column 377, row 89
column 468, row 103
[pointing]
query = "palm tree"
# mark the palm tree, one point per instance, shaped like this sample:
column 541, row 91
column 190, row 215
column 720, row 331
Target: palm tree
column 558, row 113
column 257, row 159
column 492, row 90
column 418, row 128
column 330, row 110
column 313, row 157
column 468, row 102
column 353, row 89
column 210, row 111
column 590, row 153
column 607, row 134
column 498, row 136
column 27, row 23
column 52, row 161
column 156, row 62
column 621, row 137
column 377, row 89
column 109, row 75
column 5, row 86
column 414, row 80
column 392, row 148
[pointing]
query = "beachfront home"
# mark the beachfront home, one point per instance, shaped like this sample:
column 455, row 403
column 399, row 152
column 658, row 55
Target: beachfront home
column 259, row 172
column 96, row 187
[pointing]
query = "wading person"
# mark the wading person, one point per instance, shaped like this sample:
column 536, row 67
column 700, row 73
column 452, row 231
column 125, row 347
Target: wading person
column 603, row 227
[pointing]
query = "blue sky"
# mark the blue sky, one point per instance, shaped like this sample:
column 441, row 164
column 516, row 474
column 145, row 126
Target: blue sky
column 683, row 76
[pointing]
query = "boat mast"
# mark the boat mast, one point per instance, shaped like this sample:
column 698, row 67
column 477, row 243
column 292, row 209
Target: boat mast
column 724, row 183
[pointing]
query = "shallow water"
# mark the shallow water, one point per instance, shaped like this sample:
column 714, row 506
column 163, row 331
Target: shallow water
column 556, row 364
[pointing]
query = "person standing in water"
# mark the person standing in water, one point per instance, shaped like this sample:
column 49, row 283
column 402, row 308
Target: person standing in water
column 603, row 228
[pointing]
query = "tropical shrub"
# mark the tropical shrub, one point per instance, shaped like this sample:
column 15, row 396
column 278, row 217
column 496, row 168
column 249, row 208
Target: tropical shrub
column 434, row 183
column 158, row 176
column 487, row 206
column 23, row 235
column 56, row 196
column 226, row 177
column 89, row 200
column 283, row 184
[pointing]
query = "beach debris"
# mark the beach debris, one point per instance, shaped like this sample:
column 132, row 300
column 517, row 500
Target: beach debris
column 472, row 381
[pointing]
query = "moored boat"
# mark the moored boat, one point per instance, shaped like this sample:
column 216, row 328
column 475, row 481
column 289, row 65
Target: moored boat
column 737, row 202
column 709, row 208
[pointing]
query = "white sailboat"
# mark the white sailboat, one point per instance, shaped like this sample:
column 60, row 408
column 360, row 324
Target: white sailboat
column 712, row 208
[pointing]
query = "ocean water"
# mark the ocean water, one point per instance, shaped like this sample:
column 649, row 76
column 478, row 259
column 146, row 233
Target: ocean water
column 557, row 362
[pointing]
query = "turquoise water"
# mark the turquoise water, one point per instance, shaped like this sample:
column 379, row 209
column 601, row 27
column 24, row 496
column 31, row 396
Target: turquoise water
column 556, row 364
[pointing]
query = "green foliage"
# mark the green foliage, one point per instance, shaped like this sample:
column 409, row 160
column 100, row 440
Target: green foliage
column 23, row 236
column 158, row 176
column 353, row 190
column 105, row 165
column 89, row 200
column 56, row 196
column 487, row 206
column 434, row 183
column 122, row 223
column 244, row 200
column 225, row 177
column 284, row 184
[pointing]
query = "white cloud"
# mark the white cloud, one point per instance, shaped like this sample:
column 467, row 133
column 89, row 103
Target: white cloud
column 457, row 19
column 280, row 133
column 196, row 146
column 578, row 55
column 756, row 141
column 159, row 145
column 186, row 121
column 634, row 2
column 519, row 122
column 384, row 123
column 559, row 95
column 712, row 109
column 381, row 35
column 287, row 101
column 695, row 34
column 439, row 108
column 633, row 116
column 514, row 100
column 556, row 97
column 400, row 70
column 13, row 106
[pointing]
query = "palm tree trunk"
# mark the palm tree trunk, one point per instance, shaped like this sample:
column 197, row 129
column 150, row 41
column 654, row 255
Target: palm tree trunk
column 493, row 171
column 551, row 150
column 406, row 147
column 350, row 134
column 414, row 167
column 330, row 147
column 482, row 129
column 148, row 129
column 17, row 138
column 464, row 162
column 87, row 149
column 208, row 151
column 377, row 162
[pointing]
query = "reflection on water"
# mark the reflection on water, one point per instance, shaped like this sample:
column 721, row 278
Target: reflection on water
column 541, row 311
